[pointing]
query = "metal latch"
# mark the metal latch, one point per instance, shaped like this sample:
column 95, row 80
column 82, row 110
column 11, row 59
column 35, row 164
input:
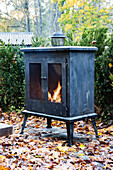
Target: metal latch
column 44, row 78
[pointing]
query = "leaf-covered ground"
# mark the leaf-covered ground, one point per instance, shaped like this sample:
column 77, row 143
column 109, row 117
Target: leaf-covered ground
column 42, row 148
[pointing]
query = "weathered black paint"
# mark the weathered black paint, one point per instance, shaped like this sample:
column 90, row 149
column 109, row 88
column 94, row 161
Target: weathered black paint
column 77, row 79
column 77, row 83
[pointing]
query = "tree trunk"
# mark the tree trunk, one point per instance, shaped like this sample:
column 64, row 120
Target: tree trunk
column 36, row 16
column 27, row 16
column 40, row 17
column 49, row 20
column 55, row 17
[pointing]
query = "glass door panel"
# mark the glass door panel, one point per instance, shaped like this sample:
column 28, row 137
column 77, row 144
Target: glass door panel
column 55, row 82
column 35, row 81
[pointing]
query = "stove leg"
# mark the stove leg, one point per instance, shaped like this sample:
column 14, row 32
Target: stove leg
column 49, row 123
column 95, row 128
column 24, row 122
column 70, row 127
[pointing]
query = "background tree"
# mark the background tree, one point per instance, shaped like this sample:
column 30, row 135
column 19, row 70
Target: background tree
column 80, row 14
column 37, row 16
column 26, row 9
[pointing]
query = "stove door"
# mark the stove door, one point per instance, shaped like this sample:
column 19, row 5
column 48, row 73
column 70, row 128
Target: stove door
column 46, row 85
column 56, row 92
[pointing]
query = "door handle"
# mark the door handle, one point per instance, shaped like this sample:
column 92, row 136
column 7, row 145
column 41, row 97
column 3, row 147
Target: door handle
column 44, row 78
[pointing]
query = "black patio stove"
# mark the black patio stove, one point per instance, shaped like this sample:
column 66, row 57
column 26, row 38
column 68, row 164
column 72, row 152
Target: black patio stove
column 59, row 84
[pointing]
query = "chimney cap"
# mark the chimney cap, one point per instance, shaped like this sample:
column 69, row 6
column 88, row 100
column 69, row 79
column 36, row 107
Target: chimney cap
column 58, row 35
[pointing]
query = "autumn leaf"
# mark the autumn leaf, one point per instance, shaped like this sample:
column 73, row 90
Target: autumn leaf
column 110, row 65
column 81, row 146
column 28, row 151
column 2, row 157
column 81, row 154
column 3, row 168
column 62, row 148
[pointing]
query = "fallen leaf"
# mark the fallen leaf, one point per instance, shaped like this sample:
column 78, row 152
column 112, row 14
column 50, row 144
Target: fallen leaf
column 4, row 168
column 2, row 157
column 81, row 146
column 62, row 148
column 81, row 154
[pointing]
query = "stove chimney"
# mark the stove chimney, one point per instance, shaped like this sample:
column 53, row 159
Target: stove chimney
column 57, row 39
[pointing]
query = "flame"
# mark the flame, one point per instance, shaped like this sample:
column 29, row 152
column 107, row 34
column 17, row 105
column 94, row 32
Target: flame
column 56, row 96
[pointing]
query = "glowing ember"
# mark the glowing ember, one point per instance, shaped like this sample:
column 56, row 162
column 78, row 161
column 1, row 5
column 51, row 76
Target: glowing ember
column 56, row 96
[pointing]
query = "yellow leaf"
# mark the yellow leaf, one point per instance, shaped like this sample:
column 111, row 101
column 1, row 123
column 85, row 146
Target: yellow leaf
column 2, row 157
column 77, row 38
column 30, row 168
column 110, row 65
column 62, row 148
column 68, row 26
column 81, row 154
column 82, row 146
column 99, row 133
column 80, row 4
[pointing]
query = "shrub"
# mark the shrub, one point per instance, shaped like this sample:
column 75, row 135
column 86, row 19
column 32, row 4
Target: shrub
column 96, row 35
column 103, row 88
column 103, row 69
column 111, row 78
column 12, row 84
column 69, row 40
column 40, row 42
column 11, row 77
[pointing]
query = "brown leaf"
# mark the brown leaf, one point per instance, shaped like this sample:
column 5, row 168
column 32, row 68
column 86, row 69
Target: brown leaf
column 9, row 156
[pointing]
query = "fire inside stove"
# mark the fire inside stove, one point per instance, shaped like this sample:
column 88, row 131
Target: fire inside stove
column 56, row 97
column 55, row 83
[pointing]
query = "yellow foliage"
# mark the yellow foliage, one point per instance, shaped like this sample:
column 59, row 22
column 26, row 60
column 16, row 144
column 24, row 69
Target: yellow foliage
column 110, row 21
column 59, row 19
column 77, row 38
column 68, row 15
column 110, row 65
column 102, row 10
column 71, row 3
column 68, row 26
column 80, row 4
column 17, row 14
column 52, row 1
column 110, row 8
column 86, row 8
column 80, row 14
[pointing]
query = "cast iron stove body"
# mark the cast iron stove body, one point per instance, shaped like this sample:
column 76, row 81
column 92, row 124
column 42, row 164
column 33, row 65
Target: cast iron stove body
column 59, row 84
